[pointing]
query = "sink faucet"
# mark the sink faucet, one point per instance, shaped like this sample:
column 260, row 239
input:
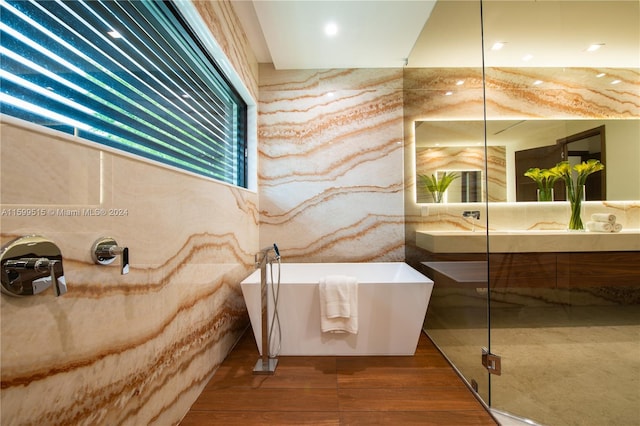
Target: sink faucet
column 471, row 213
column 475, row 214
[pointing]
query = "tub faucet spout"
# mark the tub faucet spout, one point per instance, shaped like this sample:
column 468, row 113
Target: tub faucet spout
column 262, row 257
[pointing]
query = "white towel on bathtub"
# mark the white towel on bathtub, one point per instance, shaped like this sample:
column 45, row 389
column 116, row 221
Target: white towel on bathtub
column 338, row 304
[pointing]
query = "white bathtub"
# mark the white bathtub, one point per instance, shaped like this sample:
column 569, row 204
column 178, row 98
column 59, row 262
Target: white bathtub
column 392, row 303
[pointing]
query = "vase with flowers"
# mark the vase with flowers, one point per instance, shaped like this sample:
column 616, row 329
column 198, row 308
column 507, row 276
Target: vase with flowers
column 575, row 187
column 544, row 179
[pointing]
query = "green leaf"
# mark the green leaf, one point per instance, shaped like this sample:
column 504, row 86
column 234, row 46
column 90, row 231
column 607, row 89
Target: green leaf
column 436, row 186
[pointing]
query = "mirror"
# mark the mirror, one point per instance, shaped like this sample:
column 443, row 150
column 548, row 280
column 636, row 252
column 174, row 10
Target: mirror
column 578, row 148
column 467, row 162
column 458, row 145
column 451, row 186
column 543, row 82
column 466, row 189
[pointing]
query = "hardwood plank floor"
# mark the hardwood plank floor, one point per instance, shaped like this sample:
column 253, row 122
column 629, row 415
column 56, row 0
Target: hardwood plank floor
column 419, row 390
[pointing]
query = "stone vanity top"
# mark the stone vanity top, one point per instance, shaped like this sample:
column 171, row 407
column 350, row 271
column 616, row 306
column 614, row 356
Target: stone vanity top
column 527, row 241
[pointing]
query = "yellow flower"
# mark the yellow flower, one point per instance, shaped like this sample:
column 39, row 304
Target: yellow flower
column 544, row 178
column 585, row 168
column 563, row 168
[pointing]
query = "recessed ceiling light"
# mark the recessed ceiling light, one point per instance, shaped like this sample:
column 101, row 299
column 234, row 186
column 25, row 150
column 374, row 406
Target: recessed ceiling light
column 449, row 93
column 537, row 82
column 527, row 57
column 594, row 47
column 459, row 82
column 600, row 75
column 498, row 45
column 114, row 34
column 615, row 82
column 331, row 29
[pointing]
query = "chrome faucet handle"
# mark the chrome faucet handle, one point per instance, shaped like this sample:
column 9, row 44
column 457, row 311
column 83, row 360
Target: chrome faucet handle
column 105, row 250
column 59, row 285
column 123, row 252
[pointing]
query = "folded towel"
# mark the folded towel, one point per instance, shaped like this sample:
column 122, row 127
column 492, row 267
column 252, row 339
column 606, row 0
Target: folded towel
column 617, row 227
column 599, row 227
column 603, row 217
column 338, row 304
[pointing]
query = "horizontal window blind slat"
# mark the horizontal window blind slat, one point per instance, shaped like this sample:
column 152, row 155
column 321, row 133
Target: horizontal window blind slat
column 153, row 92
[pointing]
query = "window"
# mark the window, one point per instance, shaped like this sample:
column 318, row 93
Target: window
column 130, row 75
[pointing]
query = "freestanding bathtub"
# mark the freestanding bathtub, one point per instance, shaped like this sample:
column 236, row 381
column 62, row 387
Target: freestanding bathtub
column 392, row 303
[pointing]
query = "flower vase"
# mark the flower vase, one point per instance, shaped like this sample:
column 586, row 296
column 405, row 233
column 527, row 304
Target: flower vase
column 575, row 199
column 545, row 194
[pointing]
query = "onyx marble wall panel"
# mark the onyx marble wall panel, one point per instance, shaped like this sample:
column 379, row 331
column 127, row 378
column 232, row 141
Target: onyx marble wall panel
column 133, row 349
column 331, row 164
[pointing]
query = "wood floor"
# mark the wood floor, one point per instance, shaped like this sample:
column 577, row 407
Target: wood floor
column 328, row 390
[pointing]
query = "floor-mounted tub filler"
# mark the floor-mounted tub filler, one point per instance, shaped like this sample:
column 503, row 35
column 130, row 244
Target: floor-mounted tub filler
column 392, row 300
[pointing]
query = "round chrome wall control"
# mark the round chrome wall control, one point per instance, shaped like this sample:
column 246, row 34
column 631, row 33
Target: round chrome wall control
column 101, row 251
column 31, row 264
column 105, row 250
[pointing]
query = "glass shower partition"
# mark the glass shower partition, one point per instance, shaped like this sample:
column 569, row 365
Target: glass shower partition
column 451, row 139
column 564, row 315
column 538, row 84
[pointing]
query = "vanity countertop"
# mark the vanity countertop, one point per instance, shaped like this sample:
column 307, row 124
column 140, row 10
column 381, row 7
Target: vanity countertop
column 527, row 241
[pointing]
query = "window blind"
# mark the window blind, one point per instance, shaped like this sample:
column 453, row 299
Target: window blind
column 127, row 74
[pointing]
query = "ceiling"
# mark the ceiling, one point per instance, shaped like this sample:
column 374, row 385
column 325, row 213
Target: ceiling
column 370, row 33
column 423, row 33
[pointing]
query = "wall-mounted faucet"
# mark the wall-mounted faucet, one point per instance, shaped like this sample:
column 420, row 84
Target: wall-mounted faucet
column 471, row 213
column 30, row 265
column 474, row 214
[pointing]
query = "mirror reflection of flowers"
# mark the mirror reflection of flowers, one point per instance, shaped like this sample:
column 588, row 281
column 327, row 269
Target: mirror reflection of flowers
column 545, row 179
column 437, row 187
column 575, row 189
